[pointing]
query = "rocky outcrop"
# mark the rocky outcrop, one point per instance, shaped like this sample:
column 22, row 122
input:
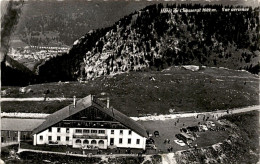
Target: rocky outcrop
column 153, row 40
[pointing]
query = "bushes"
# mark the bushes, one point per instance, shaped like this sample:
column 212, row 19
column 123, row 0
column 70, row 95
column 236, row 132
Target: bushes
column 40, row 157
column 248, row 124
column 244, row 149
column 126, row 160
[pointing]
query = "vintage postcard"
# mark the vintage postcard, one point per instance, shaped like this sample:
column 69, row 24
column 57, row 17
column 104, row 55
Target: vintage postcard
column 130, row 81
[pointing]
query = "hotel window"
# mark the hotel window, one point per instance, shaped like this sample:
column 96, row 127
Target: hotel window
column 120, row 140
column 112, row 131
column 121, row 131
column 58, row 130
column 93, row 142
column 101, row 131
column 49, row 138
column 85, row 142
column 67, row 138
column 67, row 130
column 130, row 132
column 85, row 131
column 129, row 141
column 137, row 141
column 78, row 131
column 58, row 138
column 93, row 131
column 41, row 138
column 78, row 141
column 50, row 129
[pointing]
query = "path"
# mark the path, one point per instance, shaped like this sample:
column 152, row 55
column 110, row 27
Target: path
column 78, row 155
column 183, row 115
column 147, row 118
column 36, row 99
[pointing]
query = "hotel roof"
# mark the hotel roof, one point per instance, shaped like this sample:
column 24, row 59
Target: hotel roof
column 85, row 103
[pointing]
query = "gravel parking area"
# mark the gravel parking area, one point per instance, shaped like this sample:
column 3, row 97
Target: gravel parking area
column 168, row 130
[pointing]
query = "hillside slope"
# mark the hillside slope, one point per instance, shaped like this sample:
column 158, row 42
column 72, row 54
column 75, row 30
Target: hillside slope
column 150, row 92
column 15, row 74
column 150, row 39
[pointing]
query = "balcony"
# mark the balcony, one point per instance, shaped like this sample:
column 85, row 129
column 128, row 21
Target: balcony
column 89, row 136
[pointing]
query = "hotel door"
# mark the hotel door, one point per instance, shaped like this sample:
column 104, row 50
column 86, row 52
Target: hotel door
column 111, row 141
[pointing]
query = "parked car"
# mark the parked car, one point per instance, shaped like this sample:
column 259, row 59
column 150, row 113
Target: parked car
column 149, row 141
column 210, row 123
column 185, row 138
column 183, row 130
column 150, row 146
column 179, row 142
column 203, row 127
column 193, row 128
column 212, row 129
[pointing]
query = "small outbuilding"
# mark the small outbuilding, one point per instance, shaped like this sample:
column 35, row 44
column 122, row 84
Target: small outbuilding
column 14, row 130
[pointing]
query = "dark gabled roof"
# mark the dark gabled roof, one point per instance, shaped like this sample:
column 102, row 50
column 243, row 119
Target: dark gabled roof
column 125, row 120
column 63, row 113
column 86, row 103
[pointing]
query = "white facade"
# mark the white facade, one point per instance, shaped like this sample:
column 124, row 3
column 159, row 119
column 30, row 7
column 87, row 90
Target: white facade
column 130, row 139
column 90, row 137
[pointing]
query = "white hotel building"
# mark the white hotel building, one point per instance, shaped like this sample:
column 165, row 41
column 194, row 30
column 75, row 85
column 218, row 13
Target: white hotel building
column 89, row 123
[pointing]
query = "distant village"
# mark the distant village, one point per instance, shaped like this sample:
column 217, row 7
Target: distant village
column 36, row 52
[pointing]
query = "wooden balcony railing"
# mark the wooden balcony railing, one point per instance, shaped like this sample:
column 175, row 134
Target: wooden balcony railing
column 89, row 137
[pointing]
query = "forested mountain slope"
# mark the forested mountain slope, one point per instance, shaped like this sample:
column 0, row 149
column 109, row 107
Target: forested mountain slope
column 149, row 39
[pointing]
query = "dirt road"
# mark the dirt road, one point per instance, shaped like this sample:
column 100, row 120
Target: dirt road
column 147, row 118
column 36, row 99
column 217, row 113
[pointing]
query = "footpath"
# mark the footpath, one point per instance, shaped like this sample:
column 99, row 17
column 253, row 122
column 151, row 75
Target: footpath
column 77, row 155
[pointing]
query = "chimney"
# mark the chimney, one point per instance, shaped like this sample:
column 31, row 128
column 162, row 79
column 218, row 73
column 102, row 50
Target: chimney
column 74, row 101
column 112, row 111
column 108, row 102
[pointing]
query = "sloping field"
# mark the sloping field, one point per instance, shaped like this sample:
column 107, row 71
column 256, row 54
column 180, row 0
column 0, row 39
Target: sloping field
column 175, row 88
